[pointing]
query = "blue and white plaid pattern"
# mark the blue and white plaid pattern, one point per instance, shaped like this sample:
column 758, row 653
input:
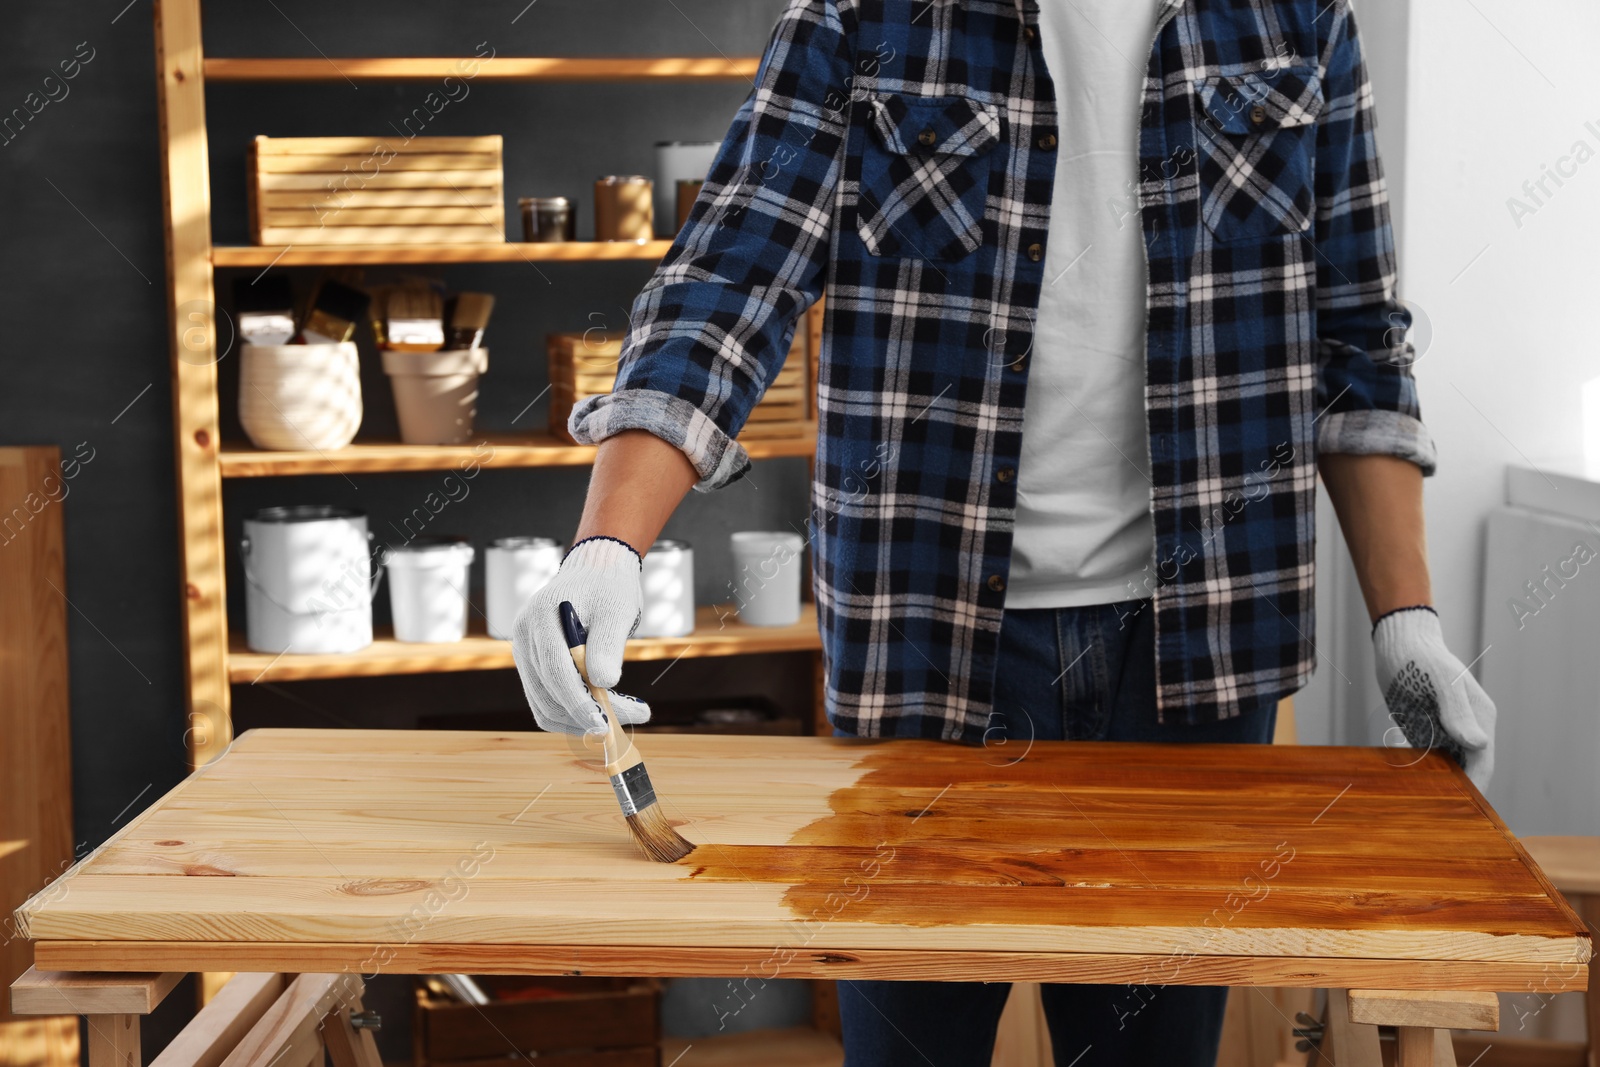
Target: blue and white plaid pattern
column 896, row 156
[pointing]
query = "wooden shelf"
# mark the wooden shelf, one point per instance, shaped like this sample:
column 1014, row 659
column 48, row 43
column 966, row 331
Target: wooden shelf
column 239, row 460
column 799, row 1046
column 712, row 637
column 501, row 252
column 498, row 68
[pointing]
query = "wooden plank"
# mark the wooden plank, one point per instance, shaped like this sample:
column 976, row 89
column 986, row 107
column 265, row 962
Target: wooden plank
column 1418, row 1046
column 718, row 632
column 501, row 451
column 378, row 160
column 1571, row 863
column 488, row 145
column 340, row 184
column 499, row 68
column 1254, row 853
column 191, row 321
column 68, row 993
column 363, row 199
column 819, row 962
column 363, row 217
column 501, row 252
column 347, row 1046
column 791, row 1047
column 1345, row 1043
column 371, row 235
column 114, row 1041
column 36, row 750
column 40, row 1041
column 289, row 1031
column 208, row 1038
column 1411, row 1007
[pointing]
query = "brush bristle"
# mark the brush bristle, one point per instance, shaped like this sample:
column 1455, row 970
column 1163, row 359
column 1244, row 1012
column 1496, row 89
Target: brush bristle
column 655, row 836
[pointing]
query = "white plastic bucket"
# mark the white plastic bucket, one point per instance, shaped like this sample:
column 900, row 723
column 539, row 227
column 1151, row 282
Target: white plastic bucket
column 294, row 397
column 428, row 589
column 515, row 569
column 668, row 582
column 309, row 580
column 766, row 569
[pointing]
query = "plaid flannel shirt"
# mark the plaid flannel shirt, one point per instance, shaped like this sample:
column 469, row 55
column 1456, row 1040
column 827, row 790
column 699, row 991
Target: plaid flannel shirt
column 896, row 157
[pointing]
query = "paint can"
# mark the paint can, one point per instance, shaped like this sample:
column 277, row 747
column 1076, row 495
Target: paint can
column 766, row 567
column 667, row 579
column 428, row 579
column 623, row 208
column 309, row 579
column 676, row 162
column 516, row 568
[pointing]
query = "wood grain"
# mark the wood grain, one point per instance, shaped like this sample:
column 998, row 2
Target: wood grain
column 1435, row 1008
column 35, row 746
column 208, row 1038
column 498, row 68
column 718, row 632
column 39, row 992
column 1274, row 860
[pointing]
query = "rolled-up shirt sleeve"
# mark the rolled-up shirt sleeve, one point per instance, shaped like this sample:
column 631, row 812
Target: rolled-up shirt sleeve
column 712, row 327
column 1366, row 395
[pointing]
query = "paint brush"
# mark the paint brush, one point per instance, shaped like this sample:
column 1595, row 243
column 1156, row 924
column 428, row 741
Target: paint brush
column 646, row 821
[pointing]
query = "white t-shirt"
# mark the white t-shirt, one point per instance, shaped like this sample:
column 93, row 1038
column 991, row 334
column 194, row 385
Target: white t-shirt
column 1084, row 529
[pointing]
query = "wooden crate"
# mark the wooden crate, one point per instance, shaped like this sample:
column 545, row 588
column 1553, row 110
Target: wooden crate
column 376, row 190
column 585, row 364
column 578, row 1022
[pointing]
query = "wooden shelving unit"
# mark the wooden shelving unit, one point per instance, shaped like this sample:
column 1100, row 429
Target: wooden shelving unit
column 216, row 658
column 718, row 632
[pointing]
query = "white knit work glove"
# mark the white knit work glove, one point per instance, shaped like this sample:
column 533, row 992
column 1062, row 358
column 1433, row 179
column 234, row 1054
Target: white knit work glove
column 1431, row 696
column 600, row 578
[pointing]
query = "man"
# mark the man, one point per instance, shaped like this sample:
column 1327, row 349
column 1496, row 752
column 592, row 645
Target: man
column 1107, row 283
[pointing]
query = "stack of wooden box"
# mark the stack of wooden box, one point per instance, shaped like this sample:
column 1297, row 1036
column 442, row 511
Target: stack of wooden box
column 376, row 190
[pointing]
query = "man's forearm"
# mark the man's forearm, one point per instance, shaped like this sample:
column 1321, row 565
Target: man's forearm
column 1379, row 502
column 638, row 481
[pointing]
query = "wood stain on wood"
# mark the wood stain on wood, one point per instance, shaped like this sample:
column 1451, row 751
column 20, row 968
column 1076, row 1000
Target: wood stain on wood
column 1120, row 834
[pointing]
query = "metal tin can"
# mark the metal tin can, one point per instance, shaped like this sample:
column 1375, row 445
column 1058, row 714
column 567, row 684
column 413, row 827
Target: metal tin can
column 667, row 579
column 515, row 569
column 622, row 208
column 547, row 219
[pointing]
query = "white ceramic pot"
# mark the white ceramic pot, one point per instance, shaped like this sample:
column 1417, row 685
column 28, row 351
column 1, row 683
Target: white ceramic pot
column 766, row 577
column 436, row 393
column 294, row 397
column 515, row 569
column 308, row 580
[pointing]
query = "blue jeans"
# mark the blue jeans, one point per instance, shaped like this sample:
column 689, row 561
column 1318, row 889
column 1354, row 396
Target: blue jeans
column 1072, row 674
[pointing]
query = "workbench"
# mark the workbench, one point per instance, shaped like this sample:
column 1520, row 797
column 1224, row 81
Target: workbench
column 1380, row 874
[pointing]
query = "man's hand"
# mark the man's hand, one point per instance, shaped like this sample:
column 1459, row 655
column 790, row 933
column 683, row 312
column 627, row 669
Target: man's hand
column 600, row 578
column 1431, row 695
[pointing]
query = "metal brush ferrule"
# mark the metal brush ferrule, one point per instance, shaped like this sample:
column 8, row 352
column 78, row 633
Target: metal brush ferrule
column 633, row 789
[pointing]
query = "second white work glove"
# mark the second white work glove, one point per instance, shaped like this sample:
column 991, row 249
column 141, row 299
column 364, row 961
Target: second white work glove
column 600, row 579
column 1430, row 691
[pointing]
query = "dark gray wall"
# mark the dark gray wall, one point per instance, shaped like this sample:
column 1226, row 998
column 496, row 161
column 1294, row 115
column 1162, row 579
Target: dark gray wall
column 85, row 352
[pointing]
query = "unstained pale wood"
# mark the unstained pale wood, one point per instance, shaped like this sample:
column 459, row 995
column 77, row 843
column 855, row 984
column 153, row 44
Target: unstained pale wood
column 208, row 1038
column 39, row 992
column 314, row 255
column 290, row 1030
column 1419, row 1046
column 718, row 632
column 347, row 1046
column 498, row 451
column 496, row 68
column 1454, row 1009
column 35, row 744
column 1325, row 858
column 1572, row 863
column 114, row 1041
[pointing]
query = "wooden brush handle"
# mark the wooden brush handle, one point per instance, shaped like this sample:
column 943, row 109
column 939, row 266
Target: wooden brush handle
column 619, row 750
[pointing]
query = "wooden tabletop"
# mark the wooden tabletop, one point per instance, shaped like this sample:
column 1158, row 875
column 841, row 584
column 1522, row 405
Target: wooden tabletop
column 420, row 852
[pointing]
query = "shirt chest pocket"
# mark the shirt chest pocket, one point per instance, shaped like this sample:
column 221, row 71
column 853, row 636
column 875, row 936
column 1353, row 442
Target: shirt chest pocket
column 923, row 177
column 1256, row 138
